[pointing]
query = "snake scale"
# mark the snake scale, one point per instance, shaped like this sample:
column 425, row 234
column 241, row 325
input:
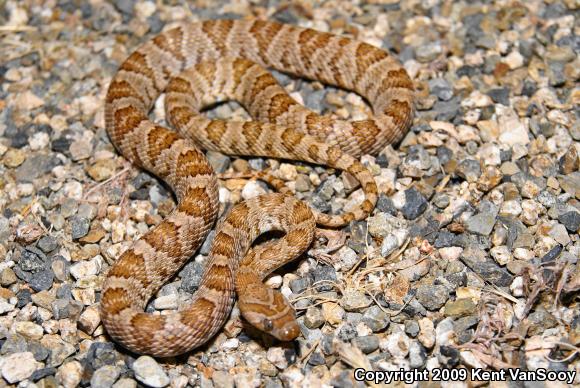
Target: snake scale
column 201, row 63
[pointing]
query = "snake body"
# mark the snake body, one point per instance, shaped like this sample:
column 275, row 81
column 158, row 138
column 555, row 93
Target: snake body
column 201, row 63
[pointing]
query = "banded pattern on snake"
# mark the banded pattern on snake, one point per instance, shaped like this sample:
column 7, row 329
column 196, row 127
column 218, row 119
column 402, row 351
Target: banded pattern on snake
column 204, row 62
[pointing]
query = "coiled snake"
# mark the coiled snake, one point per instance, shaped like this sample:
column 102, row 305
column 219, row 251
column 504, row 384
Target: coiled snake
column 201, row 63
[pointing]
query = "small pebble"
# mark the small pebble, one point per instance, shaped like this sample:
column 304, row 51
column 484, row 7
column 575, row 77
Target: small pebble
column 16, row 367
column 149, row 372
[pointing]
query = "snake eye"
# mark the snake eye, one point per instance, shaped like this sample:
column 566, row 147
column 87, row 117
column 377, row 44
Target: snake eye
column 268, row 325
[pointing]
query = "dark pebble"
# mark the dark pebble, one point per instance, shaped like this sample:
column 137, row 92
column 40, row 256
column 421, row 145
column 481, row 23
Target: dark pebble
column 505, row 155
column 42, row 373
column 540, row 321
column 554, row 10
column 15, row 343
column 552, row 254
column 289, row 14
column 206, row 246
column 101, row 354
column 491, row 272
column 432, row 297
column 469, row 169
column 412, row 328
column 500, row 96
column 319, row 204
column 487, row 112
column 300, row 285
column 24, row 297
column 468, row 71
column 447, row 110
column 367, row 344
column 385, row 205
column 141, row 180
column 419, row 128
column 347, row 332
column 47, row 244
column 155, row 23
column 444, row 154
column 36, row 166
column 140, row 195
column 61, row 144
column 79, row 227
column 415, row 204
column 529, row 88
column 38, row 350
column 465, row 323
column 191, row 276
column 326, row 344
column 376, row 319
column 32, row 260
column 413, row 308
column 449, row 356
column 62, row 308
column 326, row 275
column 457, row 279
column 441, row 88
column 64, row 292
column 18, row 139
column 382, row 160
column 126, row 7
column 42, row 280
column 571, row 220
column 316, row 358
column 556, row 75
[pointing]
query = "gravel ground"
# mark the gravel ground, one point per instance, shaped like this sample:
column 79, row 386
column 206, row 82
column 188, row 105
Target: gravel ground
column 469, row 261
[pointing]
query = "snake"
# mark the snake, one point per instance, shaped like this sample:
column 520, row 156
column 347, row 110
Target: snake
column 199, row 63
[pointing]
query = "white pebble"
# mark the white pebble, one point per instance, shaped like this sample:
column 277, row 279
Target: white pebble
column 287, row 172
column 523, row 254
column 230, row 344
column 514, row 60
column 252, row 189
column 445, row 334
column 149, row 372
column 69, row 375
column 5, row 306
column 450, row 253
column 427, row 333
column 86, row 268
column 73, row 189
column 512, row 207
column 224, row 195
column 398, row 345
column 166, row 302
column 29, row 330
column 274, row 281
column 517, row 286
column 276, row 356
column 39, row 141
column 501, row 254
column 18, row 366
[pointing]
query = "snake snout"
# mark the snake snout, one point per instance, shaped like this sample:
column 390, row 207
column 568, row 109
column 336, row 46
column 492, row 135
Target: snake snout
column 288, row 331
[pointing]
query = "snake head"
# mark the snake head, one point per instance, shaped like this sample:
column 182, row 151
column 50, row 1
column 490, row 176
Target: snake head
column 269, row 311
column 284, row 331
